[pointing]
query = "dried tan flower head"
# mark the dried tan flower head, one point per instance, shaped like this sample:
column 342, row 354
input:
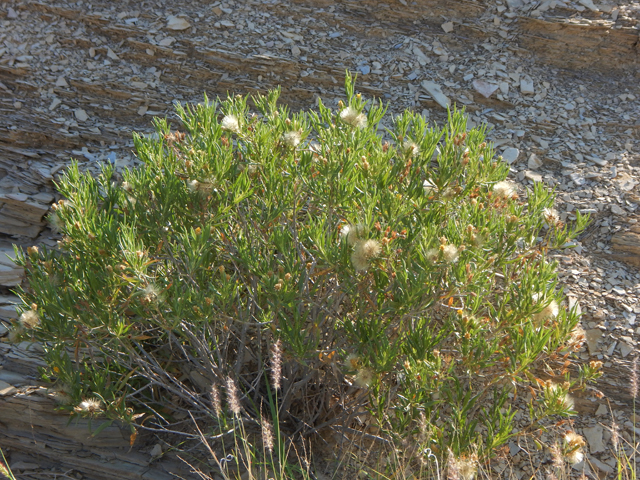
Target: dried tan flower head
column 29, row 319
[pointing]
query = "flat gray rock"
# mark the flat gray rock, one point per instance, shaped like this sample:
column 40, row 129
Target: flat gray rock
column 435, row 91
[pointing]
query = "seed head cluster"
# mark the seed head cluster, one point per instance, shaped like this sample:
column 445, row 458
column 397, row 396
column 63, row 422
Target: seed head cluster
column 573, row 447
column 461, row 468
column 276, row 364
column 215, row 400
column 564, row 399
column 267, row 434
column 232, row 396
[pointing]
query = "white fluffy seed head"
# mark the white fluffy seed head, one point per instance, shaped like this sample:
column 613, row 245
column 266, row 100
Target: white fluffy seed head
column 363, row 252
column 201, row 187
column 61, row 397
column 450, row 252
column 353, row 233
column 230, row 123
column 15, row 334
column 90, row 405
column 468, row 467
column 432, row 255
column 150, row 294
column 364, row 377
column 293, row 138
column 353, row 117
column 29, row 319
column 411, row 148
column 573, row 447
column 550, row 311
column 504, row 189
column 564, row 399
column 371, row 249
column 359, row 262
column 352, row 361
column 551, row 217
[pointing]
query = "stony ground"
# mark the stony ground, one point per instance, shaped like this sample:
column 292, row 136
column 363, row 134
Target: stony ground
column 556, row 81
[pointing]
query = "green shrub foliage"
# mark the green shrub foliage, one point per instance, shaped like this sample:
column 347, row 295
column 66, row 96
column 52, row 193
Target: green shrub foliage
column 404, row 281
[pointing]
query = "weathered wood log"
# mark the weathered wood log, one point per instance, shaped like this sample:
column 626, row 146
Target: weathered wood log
column 627, row 246
column 52, row 439
column 580, row 46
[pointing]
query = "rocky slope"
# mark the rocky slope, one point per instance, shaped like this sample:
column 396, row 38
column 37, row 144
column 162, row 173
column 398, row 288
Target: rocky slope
column 556, row 81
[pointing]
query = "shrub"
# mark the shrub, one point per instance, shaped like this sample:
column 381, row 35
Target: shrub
column 401, row 281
